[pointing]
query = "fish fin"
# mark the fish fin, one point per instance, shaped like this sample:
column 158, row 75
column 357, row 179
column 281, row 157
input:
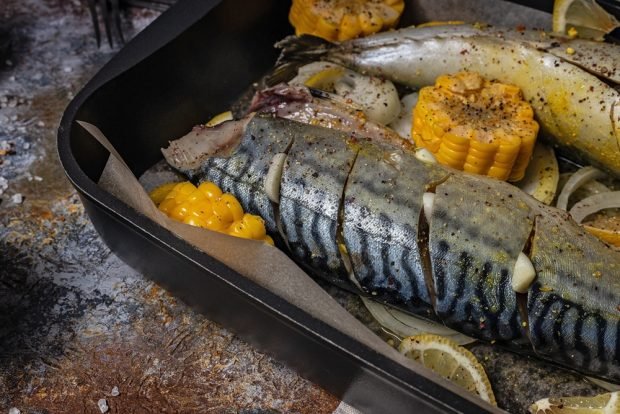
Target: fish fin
column 296, row 51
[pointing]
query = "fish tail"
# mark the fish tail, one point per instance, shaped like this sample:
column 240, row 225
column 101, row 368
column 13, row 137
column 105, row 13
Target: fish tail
column 295, row 52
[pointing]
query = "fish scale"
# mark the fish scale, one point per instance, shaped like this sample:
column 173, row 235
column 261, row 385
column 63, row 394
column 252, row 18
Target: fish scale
column 313, row 179
column 382, row 207
column 475, row 238
column 573, row 308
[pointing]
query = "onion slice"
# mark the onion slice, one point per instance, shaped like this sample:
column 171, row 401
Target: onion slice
column 403, row 325
column 594, row 204
column 575, row 181
column 402, row 123
column 609, row 386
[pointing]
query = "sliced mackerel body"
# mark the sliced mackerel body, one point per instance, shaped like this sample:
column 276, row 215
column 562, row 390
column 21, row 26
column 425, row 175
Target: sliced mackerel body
column 477, row 230
column 345, row 200
column 382, row 210
column 313, row 181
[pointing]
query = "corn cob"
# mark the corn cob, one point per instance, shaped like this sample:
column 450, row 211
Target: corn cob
column 476, row 125
column 206, row 206
column 344, row 19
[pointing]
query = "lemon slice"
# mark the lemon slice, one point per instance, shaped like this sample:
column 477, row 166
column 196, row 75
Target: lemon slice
column 589, row 19
column 451, row 361
column 219, row 118
column 608, row 403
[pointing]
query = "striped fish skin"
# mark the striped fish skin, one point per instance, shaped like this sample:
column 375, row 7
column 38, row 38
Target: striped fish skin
column 477, row 230
column 243, row 172
column 337, row 189
column 382, row 209
column 313, row 179
column 574, row 305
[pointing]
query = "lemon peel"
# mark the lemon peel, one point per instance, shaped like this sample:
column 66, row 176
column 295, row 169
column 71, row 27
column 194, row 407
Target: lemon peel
column 608, row 403
column 582, row 18
column 450, row 361
column 219, row 118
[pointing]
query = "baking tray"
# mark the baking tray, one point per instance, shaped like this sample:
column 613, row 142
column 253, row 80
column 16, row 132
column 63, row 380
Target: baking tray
column 194, row 60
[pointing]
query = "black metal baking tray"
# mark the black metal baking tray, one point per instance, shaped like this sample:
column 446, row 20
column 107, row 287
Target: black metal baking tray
column 194, row 60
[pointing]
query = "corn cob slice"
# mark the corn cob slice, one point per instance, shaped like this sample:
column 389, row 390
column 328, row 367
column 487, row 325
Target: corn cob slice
column 206, row 206
column 476, row 125
column 344, row 19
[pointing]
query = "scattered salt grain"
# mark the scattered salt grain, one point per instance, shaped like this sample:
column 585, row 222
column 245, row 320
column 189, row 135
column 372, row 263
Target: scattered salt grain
column 4, row 184
column 27, row 145
column 115, row 392
column 14, row 410
column 41, row 124
column 37, row 178
column 17, row 198
column 103, row 405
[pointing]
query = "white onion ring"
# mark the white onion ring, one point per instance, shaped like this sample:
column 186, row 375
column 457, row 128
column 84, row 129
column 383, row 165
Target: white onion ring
column 403, row 325
column 595, row 203
column 575, row 181
column 609, row 386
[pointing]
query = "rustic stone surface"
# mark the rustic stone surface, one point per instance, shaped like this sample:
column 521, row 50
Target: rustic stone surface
column 75, row 321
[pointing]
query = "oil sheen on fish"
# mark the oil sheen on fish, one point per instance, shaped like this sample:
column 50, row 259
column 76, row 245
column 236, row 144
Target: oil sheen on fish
column 572, row 95
column 427, row 239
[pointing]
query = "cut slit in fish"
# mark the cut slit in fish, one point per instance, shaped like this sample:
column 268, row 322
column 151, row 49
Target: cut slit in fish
column 272, row 188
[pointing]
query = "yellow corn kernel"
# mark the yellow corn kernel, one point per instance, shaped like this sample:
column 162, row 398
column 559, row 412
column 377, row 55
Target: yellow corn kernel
column 179, row 211
column 195, row 196
column 344, row 19
column 167, row 205
column 200, row 208
column 476, row 125
column 207, row 207
column 195, row 221
column 159, row 194
column 255, row 224
column 215, row 223
column 211, row 190
column 240, row 229
column 233, row 205
column 184, row 189
column 349, row 28
column 221, row 210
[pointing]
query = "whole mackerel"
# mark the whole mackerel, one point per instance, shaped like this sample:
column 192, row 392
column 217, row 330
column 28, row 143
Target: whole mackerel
column 353, row 210
column 570, row 83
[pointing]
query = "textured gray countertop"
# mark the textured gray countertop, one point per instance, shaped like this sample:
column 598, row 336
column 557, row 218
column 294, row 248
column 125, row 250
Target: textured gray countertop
column 76, row 322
